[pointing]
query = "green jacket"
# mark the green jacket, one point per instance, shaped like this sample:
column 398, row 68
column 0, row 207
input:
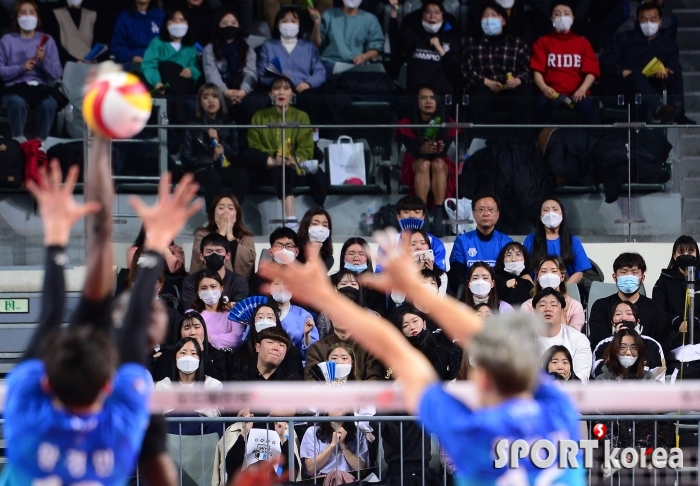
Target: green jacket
column 159, row 51
column 269, row 140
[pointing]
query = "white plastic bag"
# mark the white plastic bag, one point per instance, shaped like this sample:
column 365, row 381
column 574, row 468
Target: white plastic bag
column 346, row 160
column 463, row 212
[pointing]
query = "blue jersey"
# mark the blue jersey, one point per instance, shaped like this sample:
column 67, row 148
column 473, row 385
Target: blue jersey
column 470, row 437
column 581, row 261
column 469, row 248
column 63, row 448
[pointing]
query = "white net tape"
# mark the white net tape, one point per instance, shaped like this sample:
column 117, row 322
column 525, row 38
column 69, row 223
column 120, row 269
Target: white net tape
column 596, row 397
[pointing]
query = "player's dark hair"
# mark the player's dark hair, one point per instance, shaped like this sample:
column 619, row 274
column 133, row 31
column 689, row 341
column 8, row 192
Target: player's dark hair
column 215, row 239
column 79, row 362
column 630, row 260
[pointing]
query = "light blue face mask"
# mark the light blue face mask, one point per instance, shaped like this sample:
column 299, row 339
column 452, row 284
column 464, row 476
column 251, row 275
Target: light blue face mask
column 491, row 25
column 355, row 268
column 628, row 284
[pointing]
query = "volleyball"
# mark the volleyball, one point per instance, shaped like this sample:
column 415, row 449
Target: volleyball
column 117, row 105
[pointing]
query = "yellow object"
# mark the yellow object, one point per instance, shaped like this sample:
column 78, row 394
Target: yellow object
column 509, row 76
column 654, row 67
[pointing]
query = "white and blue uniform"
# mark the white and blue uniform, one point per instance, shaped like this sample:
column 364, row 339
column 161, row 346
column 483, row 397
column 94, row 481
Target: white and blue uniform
column 469, row 437
column 581, row 261
column 56, row 447
column 473, row 247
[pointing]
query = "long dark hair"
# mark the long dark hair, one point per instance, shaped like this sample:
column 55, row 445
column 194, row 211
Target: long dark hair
column 199, row 374
column 428, row 344
column 218, row 42
column 562, row 268
column 188, row 40
column 631, row 305
column 245, row 356
column 353, row 372
column 682, row 243
column 325, row 431
column 303, row 234
column 636, row 371
column 494, row 302
column 549, row 354
column 199, row 304
column 365, row 247
column 539, row 245
column 239, row 228
column 439, row 111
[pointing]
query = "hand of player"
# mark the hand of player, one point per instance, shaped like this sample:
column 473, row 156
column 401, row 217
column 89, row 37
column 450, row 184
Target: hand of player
column 164, row 220
column 58, row 209
column 396, row 260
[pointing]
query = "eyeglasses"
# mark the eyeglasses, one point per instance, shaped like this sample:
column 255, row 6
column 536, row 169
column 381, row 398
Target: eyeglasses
column 485, row 210
column 288, row 246
column 352, row 254
column 624, row 348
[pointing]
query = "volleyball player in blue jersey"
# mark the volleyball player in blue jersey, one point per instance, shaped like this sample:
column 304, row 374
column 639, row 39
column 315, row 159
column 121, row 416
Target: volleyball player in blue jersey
column 514, row 402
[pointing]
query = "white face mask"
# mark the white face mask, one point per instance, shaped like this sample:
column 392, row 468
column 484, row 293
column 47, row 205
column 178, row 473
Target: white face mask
column 283, row 256
column 27, row 22
column 551, row 219
column 178, row 31
column 318, row 234
column 432, row 28
column 626, row 361
column 281, row 295
column 563, row 23
column 549, row 280
column 289, row 30
column 650, row 29
column 210, row 297
column 505, row 3
column 263, row 324
column 74, row 3
column 352, row 3
column 514, row 268
column 480, row 287
column 187, row 364
column 342, row 370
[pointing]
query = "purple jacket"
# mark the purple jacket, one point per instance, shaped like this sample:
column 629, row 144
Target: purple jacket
column 15, row 51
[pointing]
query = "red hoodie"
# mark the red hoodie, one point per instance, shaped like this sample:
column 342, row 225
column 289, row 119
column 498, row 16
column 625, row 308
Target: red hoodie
column 564, row 61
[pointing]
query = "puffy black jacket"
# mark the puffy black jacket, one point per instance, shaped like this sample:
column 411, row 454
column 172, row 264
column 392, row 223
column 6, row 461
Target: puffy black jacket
column 669, row 293
column 197, row 150
column 632, row 51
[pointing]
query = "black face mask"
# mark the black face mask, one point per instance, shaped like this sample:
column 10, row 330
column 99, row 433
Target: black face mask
column 627, row 324
column 685, row 261
column 418, row 339
column 229, row 33
column 214, row 262
column 351, row 293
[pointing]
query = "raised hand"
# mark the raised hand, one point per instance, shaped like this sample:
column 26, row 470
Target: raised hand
column 58, row 209
column 399, row 271
column 164, row 220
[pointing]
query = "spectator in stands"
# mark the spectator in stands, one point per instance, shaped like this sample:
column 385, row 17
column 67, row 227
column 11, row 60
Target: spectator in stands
column 431, row 50
column 669, row 22
column 624, row 359
column 174, row 256
column 339, row 353
column 482, row 244
column 225, row 217
column 629, row 270
column 245, row 356
column 553, row 237
column 347, row 36
column 284, row 249
column 200, row 16
column 480, row 288
column 28, row 64
column 214, row 252
column 483, row 311
column 564, row 64
column 496, row 69
column 558, row 360
column 272, row 9
column 229, row 63
column 212, row 153
column 625, row 315
column 74, row 28
column 214, row 308
column 268, row 155
column 549, row 304
column 412, row 323
column 513, row 280
column 411, row 212
column 356, row 256
column 347, row 284
column 170, row 64
column 334, row 446
column 188, row 359
column 671, row 289
column 136, row 27
column 271, row 346
column 296, row 321
column 425, row 259
column 625, row 64
column 426, row 168
column 315, row 231
column 551, row 273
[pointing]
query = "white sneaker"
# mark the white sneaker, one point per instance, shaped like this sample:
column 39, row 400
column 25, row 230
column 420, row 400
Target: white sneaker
column 292, row 224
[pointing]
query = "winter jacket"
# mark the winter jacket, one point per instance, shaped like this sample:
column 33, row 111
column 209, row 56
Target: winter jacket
column 133, row 32
column 302, row 65
column 632, row 51
column 197, row 149
column 606, row 374
column 213, row 69
column 515, row 296
column 669, row 292
column 653, row 355
column 160, row 51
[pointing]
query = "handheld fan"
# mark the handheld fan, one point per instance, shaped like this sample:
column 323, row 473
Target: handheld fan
column 654, row 67
column 243, row 311
column 330, row 371
column 274, row 67
column 411, row 223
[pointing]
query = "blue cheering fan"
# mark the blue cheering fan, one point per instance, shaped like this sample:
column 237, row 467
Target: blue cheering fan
column 411, row 223
column 330, row 371
column 275, row 67
column 243, row 310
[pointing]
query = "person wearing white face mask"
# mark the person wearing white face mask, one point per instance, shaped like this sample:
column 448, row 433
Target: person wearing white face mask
column 512, row 269
column 172, row 58
column 624, row 64
column 624, row 358
column 212, row 305
column 553, row 237
column 551, row 273
column 564, row 64
column 496, row 67
column 315, row 230
column 296, row 321
column 481, row 288
column 28, row 64
column 74, row 27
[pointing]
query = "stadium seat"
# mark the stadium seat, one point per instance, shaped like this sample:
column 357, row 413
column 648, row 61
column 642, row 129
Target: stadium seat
column 194, row 457
column 572, row 290
column 600, row 290
column 370, row 170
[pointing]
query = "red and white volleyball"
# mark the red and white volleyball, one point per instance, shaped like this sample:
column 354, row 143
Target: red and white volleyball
column 117, row 105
